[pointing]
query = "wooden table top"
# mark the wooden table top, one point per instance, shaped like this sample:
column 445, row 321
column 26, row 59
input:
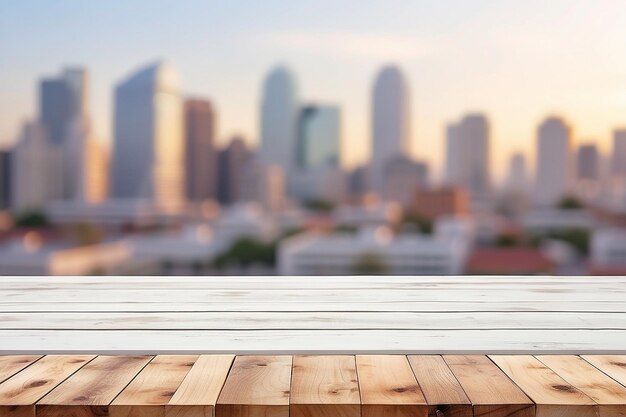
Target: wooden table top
column 313, row 385
column 313, row 315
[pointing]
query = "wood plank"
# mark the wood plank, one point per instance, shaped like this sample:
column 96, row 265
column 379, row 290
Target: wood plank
column 606, row 392
column 287, row 342
column 553, row 396
column 256, row 386
column 612, row 365
column 325, row 386
column 153, row 388
column 441, row 389
column 19, row 393
column 388, row 387
column 89, row 391
column 197, row 394
column 314, row 320
column 12, row 364
column 490, row 391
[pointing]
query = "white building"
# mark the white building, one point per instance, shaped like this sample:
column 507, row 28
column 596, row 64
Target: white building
column 279, row 111
column 371, row 250
column 112, row 213
column 148, row 148
column 549, row 219
column 263, row 184
column 554, row 162
column 608, row 248
column 37, row 170
column 468, row 156
column 30, row 257
column 245, row 220
column 371, row 213
column 391, row 121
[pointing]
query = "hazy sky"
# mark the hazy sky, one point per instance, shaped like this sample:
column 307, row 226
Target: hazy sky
column 517, row 61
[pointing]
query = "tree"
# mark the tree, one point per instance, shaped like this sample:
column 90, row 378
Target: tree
column 31, row 218
column 247, row 251
column 570, row 203
column 370, row 264
column 421, row 223
column 319, row 205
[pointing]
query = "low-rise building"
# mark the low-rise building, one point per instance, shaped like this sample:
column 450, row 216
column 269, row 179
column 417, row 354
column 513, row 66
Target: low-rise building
column 608, row 252
column 508, row 261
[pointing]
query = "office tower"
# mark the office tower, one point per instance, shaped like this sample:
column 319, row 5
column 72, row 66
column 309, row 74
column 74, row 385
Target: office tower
column 148, row 148
column 517, row 177
column 201, row 158
column 587, row 163
column 231, row 162
column 85, row 164
column 319, row 137
column 278, row 120
column 5, row 179
column 554, row 165
column 61, row 100
column 36, row 170
column 467, row 156
column 618, row 164
column 402, row 177
column 391, row 121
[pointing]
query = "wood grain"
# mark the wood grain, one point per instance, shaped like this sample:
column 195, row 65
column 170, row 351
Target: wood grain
column 11, row 364
column 552, row 395
column 89, row 391
column 257, row 386
column 153, row 388
column 612, row 365
column 605, row 391
column 388, row 387
column 197, row 394
column 441, row 389
column 490, row 391
column 325, row 386
column 19, row 393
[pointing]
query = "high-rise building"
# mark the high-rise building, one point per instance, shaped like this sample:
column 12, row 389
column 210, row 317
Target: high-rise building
column 5, row 179
column 517, row 177
column 618, row 164
column 85, row 164
column 61, row 100
column 554, row 162
column 319, row 137
column 468, row 156
column 391, row 121
column 588, row 163
column 36, row 170
column 231, row 163
column 148, row 149
column 402, row 177
column 262, row 184
column 278, row 120
column 201, row 158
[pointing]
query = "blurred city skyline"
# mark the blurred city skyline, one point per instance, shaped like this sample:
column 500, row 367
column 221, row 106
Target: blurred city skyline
column 516, row 63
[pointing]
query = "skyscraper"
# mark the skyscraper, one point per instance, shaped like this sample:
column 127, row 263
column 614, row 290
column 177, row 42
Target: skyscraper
column 319, row 140
column 61, row 101
column 468, row 156
column 588, row 163
column 391, row 121
column 5, row 179
column 278, row 120
column 554, row 162
column 618, row 163
column 232, row 161
column 36, row 170
column 148, row 150
column 200, row 159
column 517, row 177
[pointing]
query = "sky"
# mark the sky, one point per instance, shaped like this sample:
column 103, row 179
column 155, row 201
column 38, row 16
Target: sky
column 516, row 61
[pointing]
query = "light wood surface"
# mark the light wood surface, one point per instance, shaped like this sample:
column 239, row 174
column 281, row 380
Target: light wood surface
column 325, row 386
column 612, row 365
column 256, row 386
column 152, row 389
column 442, row 390
column 488, row 388
column 312, row 315
column 10, row 365
column 90, row 390
column 553, row 396
column 604, row 391
column 388, row 387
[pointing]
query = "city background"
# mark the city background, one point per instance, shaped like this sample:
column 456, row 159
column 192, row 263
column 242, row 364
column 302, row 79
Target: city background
column 473, row 137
